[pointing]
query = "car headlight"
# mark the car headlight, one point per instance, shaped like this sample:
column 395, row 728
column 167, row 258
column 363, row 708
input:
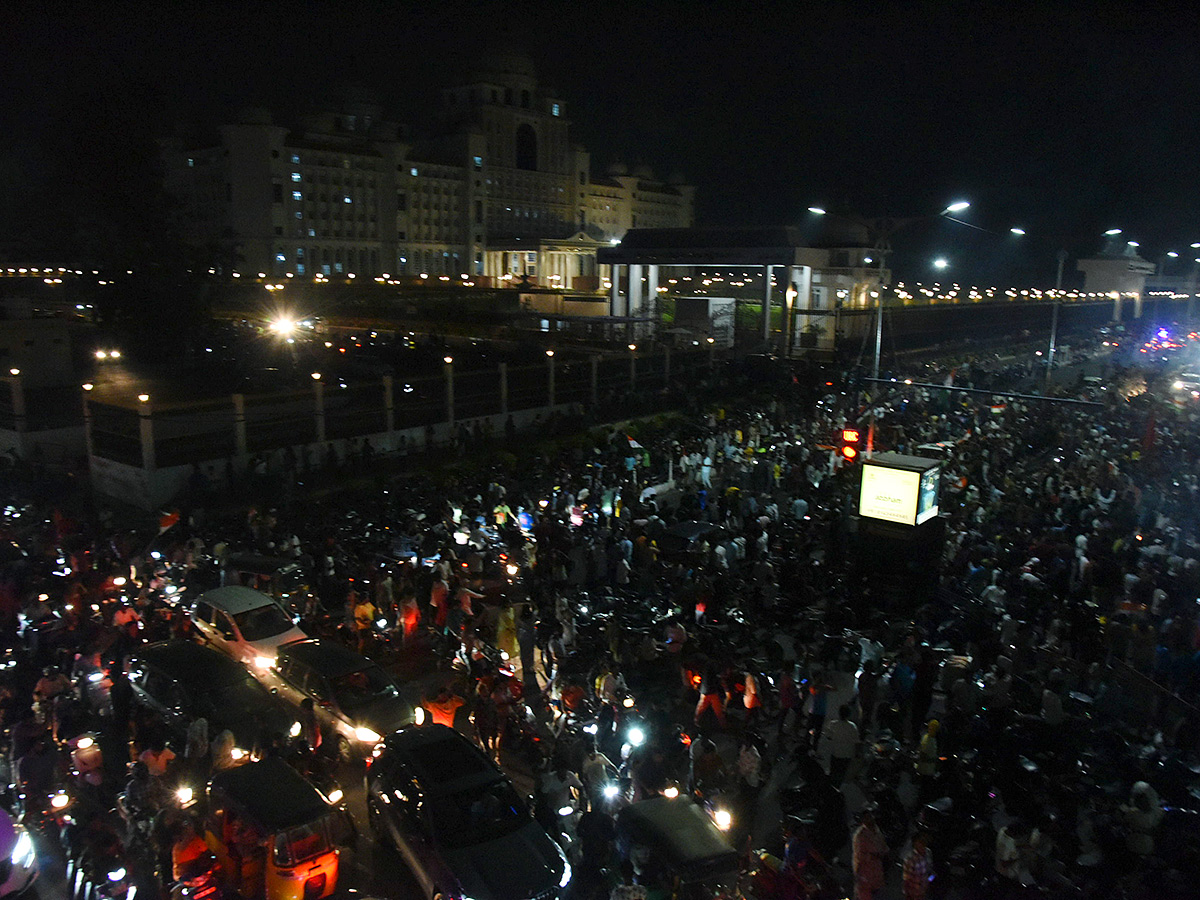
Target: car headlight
column 264, row 662
column 366, row 735
column 566, row 875
column 22, row 854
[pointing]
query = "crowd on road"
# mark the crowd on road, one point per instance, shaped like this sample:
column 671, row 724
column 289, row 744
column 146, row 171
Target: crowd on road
column 678, row 607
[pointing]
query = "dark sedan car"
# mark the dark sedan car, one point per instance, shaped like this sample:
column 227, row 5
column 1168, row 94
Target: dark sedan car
column 181, row 681
column 457, row 821
column 355, row 701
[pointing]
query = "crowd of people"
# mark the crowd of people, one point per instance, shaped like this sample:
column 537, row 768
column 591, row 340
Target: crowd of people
column 1022, row 725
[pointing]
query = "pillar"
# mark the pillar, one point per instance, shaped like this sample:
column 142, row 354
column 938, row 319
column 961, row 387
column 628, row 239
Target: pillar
column 504, row 389
column 634, row 301
column 239, row 426
column 766, row 311
column 319, row 410
column 652, row 296
column 1116, row 316
column 87, row 424
column 146, row 432
column 1137, row 305
column 595, row 392
column 614, row 290
column 632, row 366
column 20, row 419
column 802, row 279
column 448, row 368
column 389, row 404
column 550, row 378
column 666, row 365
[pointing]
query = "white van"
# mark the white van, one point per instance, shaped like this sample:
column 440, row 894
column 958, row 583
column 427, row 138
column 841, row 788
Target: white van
column 244, row 624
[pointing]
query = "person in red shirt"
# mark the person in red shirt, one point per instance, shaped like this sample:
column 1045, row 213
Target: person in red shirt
column 444, row 707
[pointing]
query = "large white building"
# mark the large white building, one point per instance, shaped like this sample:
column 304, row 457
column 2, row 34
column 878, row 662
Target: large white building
column 496, row 190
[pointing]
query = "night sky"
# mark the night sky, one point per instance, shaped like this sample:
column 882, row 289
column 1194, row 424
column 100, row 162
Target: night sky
column 1063, row 118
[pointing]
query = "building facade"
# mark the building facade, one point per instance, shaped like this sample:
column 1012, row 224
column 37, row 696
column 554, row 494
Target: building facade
column 487, row 193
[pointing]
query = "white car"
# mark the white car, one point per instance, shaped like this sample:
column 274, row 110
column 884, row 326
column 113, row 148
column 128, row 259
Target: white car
column 244, row 624
column 16, row 847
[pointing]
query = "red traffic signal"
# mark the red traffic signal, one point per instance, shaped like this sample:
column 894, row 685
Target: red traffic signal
column 849, row 445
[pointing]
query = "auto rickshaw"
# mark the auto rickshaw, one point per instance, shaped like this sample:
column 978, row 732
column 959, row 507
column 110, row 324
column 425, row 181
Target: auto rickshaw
column 272, row 833
column 675, row 841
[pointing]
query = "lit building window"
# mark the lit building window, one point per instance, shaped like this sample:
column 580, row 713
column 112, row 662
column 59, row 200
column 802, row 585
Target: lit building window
column 191, row 162
column 299, row 214
column 346, row 200
column 413, row 171
column 295, row 176
column 296, row 195
column 478, row 163
column 299, row 268
column 295, row 160
column 554, row 109
column 281, row 257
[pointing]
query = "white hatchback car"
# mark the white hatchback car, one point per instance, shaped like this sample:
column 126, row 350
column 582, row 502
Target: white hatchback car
column 244, row 624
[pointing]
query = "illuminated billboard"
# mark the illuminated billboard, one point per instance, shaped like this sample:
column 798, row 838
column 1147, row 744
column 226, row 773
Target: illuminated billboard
column 900, row 489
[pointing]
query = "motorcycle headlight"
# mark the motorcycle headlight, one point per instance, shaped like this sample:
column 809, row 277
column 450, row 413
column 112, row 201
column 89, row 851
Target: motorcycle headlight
column 294, row 731
column 95, row 677
column 185, row 795
column 366, row 735
column 419, row 715
column 566, row 810
column 23, row 854
column 671, row 793
column 117, row 874
column 84, row 743
column 60, row 800
column 335, row 796
column 610, row 791
column 637, row 737
column 723, row 819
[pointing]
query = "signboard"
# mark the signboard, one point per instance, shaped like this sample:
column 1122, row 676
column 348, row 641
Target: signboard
column 906, row 496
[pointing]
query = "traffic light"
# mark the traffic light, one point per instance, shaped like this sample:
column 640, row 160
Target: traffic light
column 849, row 446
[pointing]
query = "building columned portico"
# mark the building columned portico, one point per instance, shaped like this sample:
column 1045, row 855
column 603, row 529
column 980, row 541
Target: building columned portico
column 807, row 283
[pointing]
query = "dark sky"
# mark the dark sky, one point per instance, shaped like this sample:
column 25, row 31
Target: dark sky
column 1064, row 118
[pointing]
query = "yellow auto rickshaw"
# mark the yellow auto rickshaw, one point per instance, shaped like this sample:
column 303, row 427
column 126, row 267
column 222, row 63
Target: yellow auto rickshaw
column 272, row 833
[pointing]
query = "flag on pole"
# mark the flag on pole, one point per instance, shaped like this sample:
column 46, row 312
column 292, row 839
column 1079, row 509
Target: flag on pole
column 634, row 444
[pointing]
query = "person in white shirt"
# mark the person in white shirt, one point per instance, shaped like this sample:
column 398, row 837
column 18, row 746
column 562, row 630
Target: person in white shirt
column 841, row 736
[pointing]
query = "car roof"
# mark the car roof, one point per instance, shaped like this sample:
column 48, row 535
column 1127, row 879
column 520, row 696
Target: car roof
column 680, row 830
column 442, row 760
column 327, row 657
column 264, row 565
column 236, row 599
column 272, row 793
column 189, row 662
column 692, row 530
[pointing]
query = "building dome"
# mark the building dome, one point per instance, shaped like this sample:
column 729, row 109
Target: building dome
column 506, row 67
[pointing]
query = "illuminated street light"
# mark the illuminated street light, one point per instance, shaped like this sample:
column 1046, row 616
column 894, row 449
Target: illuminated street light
column 447, row 359
column 87, row 386
column 941, row 263
column 1133, row 244
column 144, row 398
column 816, row 210
column 1113, row 232
column 14, row 372
column 1017, row 231
column 958, row 206
column 316, row 376
column 1172, row 254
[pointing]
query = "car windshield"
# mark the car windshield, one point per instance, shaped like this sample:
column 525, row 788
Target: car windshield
column 356, row 689
column 477, row 815
column 262, row 622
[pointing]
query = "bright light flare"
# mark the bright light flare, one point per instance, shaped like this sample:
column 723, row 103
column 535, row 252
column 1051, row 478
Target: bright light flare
column 284, row 327
column 958, row 206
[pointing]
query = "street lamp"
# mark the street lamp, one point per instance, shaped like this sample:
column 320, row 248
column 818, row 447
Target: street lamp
column 1017, row 231
column 1112, row 232
column 941, row 263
